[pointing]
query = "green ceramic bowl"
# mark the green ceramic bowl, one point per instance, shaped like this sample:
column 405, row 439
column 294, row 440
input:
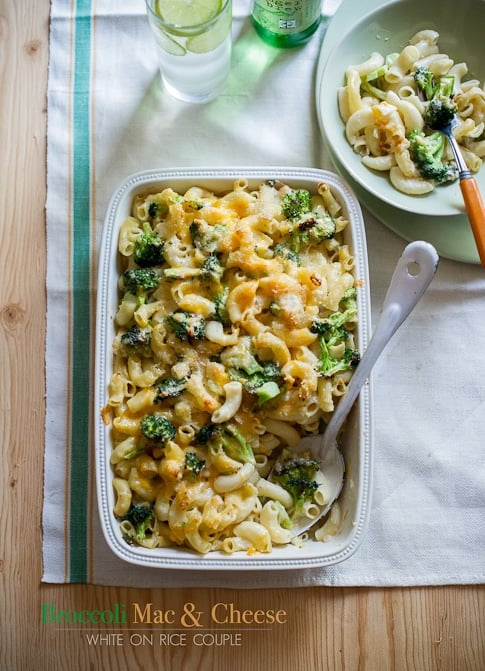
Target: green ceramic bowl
column 387, row 30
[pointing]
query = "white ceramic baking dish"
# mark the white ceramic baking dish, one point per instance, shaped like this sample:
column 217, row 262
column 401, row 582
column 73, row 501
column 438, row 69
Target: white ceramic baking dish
column 357, row 440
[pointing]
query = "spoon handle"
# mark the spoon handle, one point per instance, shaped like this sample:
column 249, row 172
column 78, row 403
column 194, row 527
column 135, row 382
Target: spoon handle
column 476, row 213
column 413, row 273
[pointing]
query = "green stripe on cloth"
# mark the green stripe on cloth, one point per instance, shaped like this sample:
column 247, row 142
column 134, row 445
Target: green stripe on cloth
column 81, row 327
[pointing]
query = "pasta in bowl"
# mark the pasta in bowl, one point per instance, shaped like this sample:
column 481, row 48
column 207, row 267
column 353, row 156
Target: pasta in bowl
column 213, row 289
column 388, row 73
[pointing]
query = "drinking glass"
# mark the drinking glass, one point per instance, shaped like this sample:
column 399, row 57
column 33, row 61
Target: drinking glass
column 193, row 39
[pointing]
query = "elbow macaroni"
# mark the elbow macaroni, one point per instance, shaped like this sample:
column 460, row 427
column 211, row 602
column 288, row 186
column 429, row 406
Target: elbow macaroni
column 379, row 115
column 258, row 311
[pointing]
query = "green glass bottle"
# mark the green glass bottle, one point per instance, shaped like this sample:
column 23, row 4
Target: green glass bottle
column 286, row 23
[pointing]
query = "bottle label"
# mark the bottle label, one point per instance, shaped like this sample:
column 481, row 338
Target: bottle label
column 286, row 17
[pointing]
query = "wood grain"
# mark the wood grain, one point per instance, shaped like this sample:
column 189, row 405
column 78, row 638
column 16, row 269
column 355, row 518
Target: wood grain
column 422, row 629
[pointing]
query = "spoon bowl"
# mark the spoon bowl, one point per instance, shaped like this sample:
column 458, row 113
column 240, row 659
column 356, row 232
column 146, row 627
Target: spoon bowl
column 413, row 273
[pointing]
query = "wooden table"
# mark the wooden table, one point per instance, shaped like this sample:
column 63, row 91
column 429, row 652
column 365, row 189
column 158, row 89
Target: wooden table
column 324, row 628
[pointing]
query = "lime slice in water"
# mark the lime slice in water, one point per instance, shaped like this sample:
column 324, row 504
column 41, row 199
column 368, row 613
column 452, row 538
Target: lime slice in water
column 168, row 44
column 201, row 44
column 186, row 13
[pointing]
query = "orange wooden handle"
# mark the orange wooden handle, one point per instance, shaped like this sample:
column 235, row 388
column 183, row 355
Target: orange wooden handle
column 476, row 214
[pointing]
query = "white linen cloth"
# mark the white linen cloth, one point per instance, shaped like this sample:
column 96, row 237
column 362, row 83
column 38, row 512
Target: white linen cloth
column 108, row 118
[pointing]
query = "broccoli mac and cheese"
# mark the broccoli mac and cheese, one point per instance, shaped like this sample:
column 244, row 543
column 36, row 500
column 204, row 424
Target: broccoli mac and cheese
column 393, row 105
column 234, row 339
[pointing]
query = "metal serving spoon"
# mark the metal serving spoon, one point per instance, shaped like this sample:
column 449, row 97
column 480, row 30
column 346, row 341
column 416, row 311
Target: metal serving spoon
column 469, row 189
column 413, row 273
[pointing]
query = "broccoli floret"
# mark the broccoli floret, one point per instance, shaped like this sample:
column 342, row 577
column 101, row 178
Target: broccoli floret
column 205, row 237
column 284, row 252
column 427, row 153
column 433, row 86
column 247, row 362
column 331, row 329
column 439, row 94
column 212, row 268
column 425, row 81
column 225, row 437
column 439, row 112
column 350, row 359
column 330, row 365
column 140, row 282
column 311, row 230
column 259, row 378
column 169, row 388
column 141, row 517
column 262, row 382
column 327, row 327
column 445, row 87
column 157, row 209
column 265, row 391
column 220, row 306
column 136, row 341
column 186, row 325
column 234, row 444
column 148, row 248
column 193, row 463
column 157, row 428
column 207, row 433
column 270, row 370
column 349, row 300
column 336, row 320
column 296, row 203
column 153, row 209
column 296, row 474
column 241, row 357
column 332, row 332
